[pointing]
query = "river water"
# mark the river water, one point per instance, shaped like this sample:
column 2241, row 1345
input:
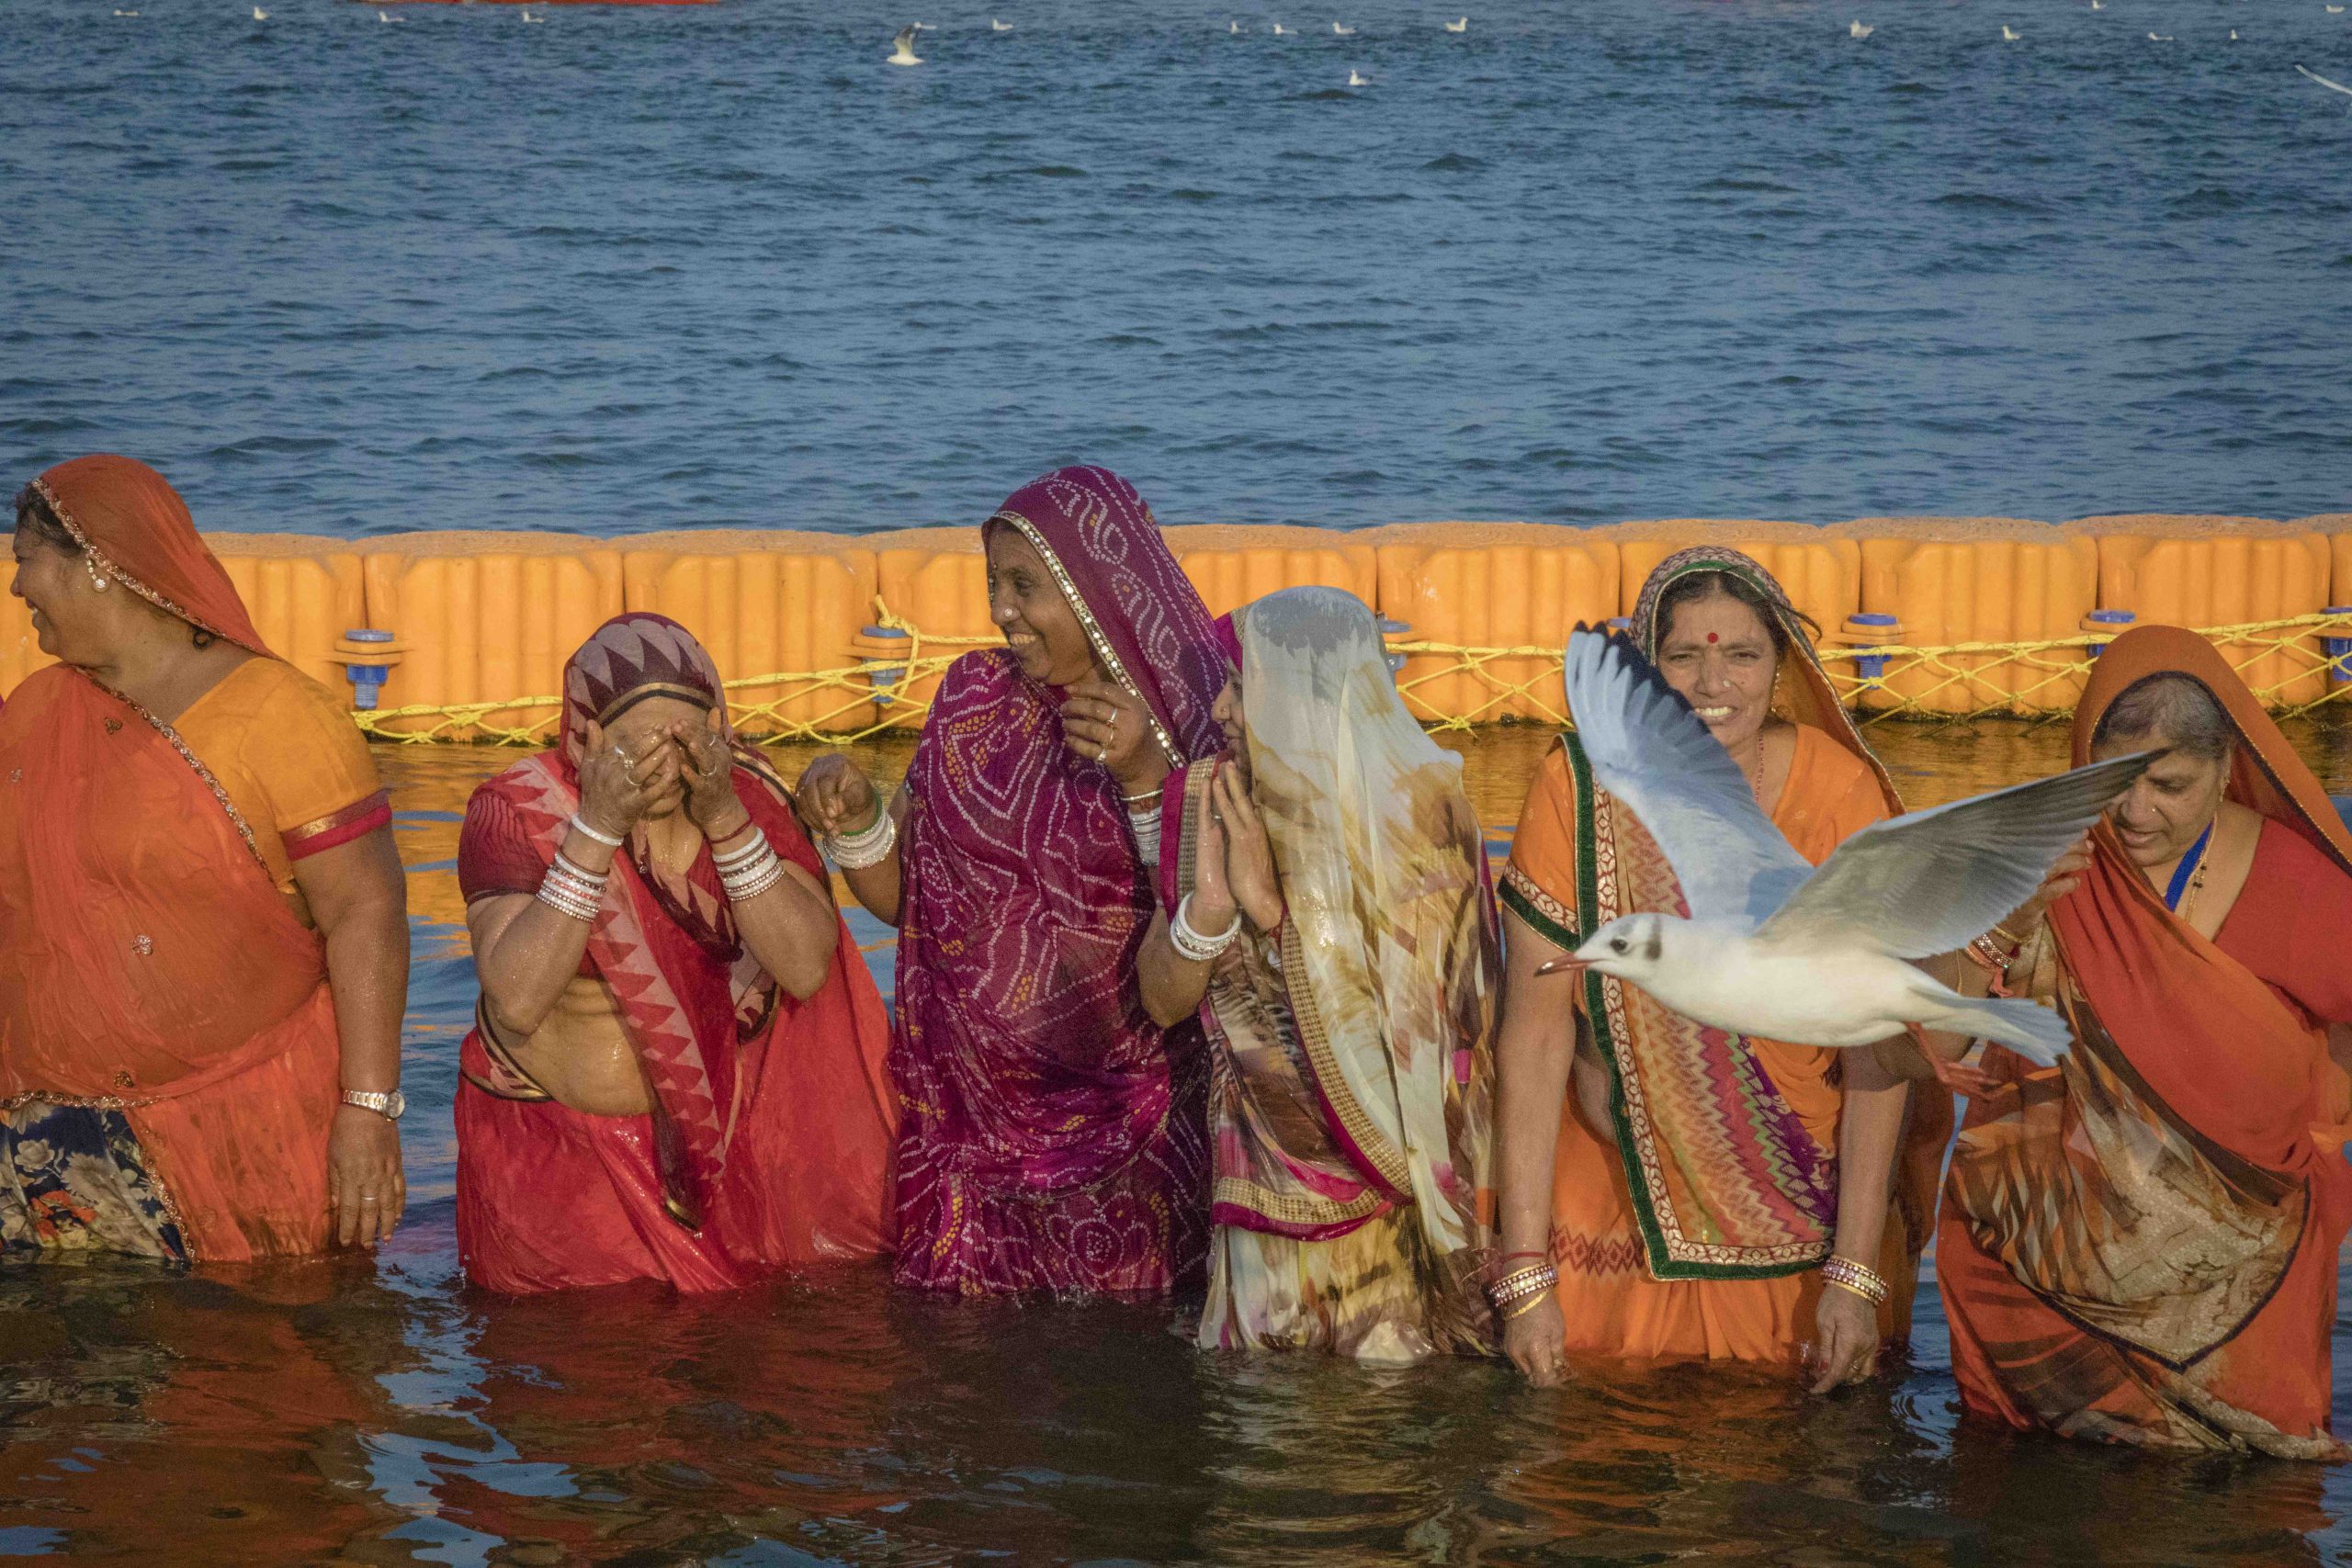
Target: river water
column 380, row 1410
column 1620, row 258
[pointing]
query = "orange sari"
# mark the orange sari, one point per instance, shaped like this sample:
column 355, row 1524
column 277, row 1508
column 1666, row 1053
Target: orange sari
column 2138, row 1245
column 152, row 964
column 1693, row 1226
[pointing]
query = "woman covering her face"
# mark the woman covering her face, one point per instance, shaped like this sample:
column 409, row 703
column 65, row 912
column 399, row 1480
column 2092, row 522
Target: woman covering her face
column 203, row 924
column 2139, row 1244
column 1054, row 1136
column 1325, row 907
column 676, row 1070
column 1692, row 1189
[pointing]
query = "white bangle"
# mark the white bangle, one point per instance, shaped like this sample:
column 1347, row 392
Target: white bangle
column 1190, row 943
column 1145, row 826
column 599, row 835
column 867, row 846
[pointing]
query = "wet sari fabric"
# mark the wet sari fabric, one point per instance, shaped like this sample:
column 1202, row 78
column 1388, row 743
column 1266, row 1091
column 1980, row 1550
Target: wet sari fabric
column 769, row 1141
column 152, row 963
column 1693, row 1226
column 1353, row 1075
column 2138, row 1245
column 1054, row 1136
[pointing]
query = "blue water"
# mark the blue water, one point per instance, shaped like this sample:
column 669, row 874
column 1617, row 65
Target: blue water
column 1620, row 258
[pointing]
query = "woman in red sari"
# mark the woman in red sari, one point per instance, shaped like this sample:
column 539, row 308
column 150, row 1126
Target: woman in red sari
column 2139, row 1244
column 676, row 1070
column 203, row 924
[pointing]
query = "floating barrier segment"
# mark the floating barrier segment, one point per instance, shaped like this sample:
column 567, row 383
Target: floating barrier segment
column 1939, row 582
column 2208, row 571
column 463, row 636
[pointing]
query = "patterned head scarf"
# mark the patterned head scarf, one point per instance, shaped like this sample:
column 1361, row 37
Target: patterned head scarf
column 137, row 533
column 1693, row 561
column 627, row 660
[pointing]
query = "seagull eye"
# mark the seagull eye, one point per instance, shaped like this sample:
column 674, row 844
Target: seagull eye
column 1619, row 944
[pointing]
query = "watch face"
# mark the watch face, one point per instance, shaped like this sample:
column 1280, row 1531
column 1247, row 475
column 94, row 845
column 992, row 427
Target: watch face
column 399, row 1104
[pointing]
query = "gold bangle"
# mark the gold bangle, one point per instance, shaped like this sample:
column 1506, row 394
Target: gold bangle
column 1863, row 1280
column 1527, row 1303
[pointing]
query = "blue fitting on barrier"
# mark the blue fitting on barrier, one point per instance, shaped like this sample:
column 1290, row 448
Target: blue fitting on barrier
column 1870, row 666
column 366, row 680
column 2339, row 650
column 1389, row 631
column 883, row 680
column 2098, row 618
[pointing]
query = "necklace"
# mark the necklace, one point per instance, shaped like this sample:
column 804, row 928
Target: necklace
column 2188, row 878
column 1755, row 769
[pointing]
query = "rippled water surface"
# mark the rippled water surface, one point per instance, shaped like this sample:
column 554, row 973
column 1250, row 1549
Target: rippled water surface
column 1584, row 261
column 379, row 1412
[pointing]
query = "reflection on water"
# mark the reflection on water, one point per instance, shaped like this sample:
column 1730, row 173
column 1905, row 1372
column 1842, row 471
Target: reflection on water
column 378, row 1410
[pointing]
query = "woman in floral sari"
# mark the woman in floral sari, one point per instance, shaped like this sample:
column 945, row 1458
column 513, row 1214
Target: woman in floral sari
column 1690, row 1191
column 2139, row 1244
column 676, row 1070
column 1325, row 908
column 1054, row 1138
column 203, row 923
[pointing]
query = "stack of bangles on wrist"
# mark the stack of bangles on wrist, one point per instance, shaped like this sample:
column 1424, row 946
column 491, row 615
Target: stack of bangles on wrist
column 751, row 868
column 1522, row 1288
column 1987, row 953
column 866, row 848
column 1847, row 1274
column 570, row 889
column 1143, row 819
column 1190, row 943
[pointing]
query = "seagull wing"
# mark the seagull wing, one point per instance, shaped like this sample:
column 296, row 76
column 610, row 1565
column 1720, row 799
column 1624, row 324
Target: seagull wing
column 1936, row 880
column 1649, row 750
column 2325, row 81
column 905, row 40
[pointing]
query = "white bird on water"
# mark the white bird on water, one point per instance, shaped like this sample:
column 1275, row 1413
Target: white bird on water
column 260, row 14
column 2233, row 35
column 1356, row 81
column 1233, row 26
column 1343, row 32
column 2335, row 86
column 534, row 20
column 2160, row 37
column 997, row 27
column 1281, row 31
column 2010, row 34
column 2097, row 5
column 1777, row 948
column 387, row 16
column 903, row 47
column 133, row 14
column 2335, row 10
column 1856, row 30
column 1461, row 25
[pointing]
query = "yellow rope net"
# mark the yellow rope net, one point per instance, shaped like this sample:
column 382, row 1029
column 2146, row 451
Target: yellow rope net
column 2299, row 665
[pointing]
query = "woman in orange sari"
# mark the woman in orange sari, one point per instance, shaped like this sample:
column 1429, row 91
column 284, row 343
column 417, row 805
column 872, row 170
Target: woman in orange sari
column 1685, row 1198
column 2139, row 1244
column 203, row 923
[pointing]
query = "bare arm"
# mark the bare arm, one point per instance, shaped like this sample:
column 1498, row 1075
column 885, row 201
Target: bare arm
column 358, row 895
column 1869, row 1132
column 1535, row 1045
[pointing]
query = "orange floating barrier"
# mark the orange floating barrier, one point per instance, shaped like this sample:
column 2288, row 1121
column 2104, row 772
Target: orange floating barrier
column 1491, row 585
column 1821, row 572
column 937, row 580
column 303, row 592
column 767, row 602
column 2222, row 571
column 1232, row 564
column 1962, row 580
column 485, row 617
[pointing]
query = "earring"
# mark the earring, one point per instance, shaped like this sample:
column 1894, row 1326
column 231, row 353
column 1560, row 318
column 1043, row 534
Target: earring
column 91, row 565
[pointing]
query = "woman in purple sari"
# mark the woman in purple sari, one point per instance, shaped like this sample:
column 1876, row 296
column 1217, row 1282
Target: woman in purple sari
column 1054, row 1137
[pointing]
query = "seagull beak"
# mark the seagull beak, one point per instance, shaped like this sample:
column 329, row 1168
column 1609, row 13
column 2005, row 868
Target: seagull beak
column 1571, row 964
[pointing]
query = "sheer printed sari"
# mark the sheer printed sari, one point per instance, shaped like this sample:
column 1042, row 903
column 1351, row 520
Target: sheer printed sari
column 169, row 1058
column 1692, row 1227
column 1351, row 1050
column 770, row 1138
column 2138, row 1245
column 1054, row 1136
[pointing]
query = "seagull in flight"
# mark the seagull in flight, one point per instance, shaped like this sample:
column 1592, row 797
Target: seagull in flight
column 1777, row 948
column 1462, row 25
column 903, row 47
column 1856, row 30
column 2010, row 34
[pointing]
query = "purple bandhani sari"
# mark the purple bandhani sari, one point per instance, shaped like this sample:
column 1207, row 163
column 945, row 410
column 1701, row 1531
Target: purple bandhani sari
column 1054, row 1138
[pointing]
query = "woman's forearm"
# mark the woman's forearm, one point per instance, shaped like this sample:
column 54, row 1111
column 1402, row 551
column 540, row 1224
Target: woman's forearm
column 1869, row 1132
column 790, row 928
column 357, row 894
column 877, row 888
column 1534, row 1044
column 1173, row 985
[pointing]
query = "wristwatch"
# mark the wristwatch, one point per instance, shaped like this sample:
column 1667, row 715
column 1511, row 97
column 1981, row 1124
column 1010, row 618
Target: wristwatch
column 388, row 1106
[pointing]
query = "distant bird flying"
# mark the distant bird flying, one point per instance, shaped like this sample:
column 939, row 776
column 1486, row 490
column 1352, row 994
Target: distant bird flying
column 1780, row 949
column 2010, row 34
column 1856, row 30
column 903, row 47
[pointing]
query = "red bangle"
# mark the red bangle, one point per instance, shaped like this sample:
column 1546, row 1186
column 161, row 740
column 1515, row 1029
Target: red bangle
column 1531, row 1252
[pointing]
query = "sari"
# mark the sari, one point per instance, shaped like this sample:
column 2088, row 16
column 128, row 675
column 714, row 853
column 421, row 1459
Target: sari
column 2138, row 1245
column 1055, row 1137
column 769, row 1139
column 1352, row 1088
column 169, row 1060
column 1692, row 1228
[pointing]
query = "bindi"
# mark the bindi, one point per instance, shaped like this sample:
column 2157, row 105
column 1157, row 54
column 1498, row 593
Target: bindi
column 1712, row 638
